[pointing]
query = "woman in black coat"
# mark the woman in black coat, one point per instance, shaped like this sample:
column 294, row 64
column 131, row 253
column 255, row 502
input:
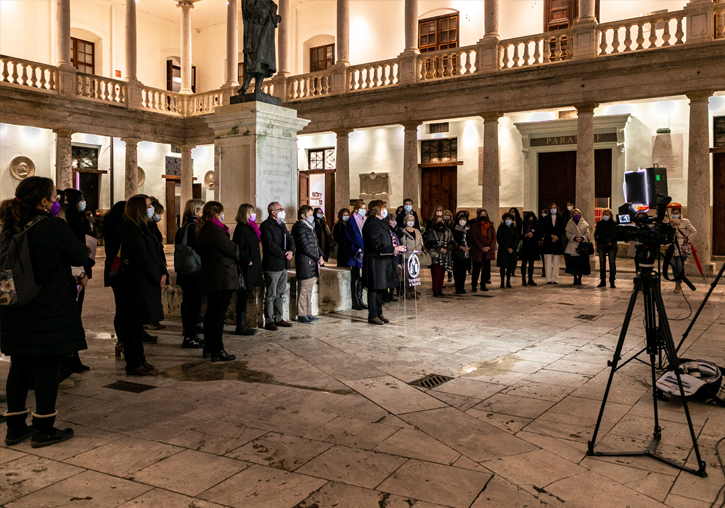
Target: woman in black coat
column 605, row 235
column 552, row 247
column 340, row 237
column 378, row 265
column 462, row 254
column 189, row 282
column 508, row 241
column 323, row 233
column 219, row 277
column 308, row 259
column 38, row 334
column 529, row 252
column 247, row 237
column 112, row 243
column 143, row 275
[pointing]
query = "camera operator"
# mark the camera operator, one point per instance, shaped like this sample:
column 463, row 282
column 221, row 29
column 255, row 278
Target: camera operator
column 684, row 232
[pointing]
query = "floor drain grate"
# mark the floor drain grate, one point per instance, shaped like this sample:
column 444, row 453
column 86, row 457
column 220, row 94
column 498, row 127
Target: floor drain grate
column 125, row 386
column 587, row 317
column 430, row 381
column 484, row 296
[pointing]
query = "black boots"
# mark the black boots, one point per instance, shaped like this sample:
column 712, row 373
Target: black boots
column 602, row 284
column 221, row 356
column 41, row 431
column 18, row 430
column 356, row 290
column 242, row 327
column 523, row 280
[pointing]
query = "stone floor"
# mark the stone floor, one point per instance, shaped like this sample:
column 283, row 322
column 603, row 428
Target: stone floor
column 323, row 416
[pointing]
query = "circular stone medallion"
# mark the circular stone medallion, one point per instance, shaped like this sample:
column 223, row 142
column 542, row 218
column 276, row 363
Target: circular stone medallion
column 209, row 180
column 22, row 167
column 141, row 176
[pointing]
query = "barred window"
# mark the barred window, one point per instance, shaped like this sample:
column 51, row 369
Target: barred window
column 322, row 158
column 439, row 150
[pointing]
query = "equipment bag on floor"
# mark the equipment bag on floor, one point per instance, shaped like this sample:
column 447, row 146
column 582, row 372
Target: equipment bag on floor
column 701, row 380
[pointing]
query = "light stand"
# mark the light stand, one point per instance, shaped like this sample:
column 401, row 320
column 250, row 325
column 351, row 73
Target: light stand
column 648, row 283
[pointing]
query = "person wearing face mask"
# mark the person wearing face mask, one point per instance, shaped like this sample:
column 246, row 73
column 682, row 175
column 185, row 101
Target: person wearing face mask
column 483, row 250
column 278, row 248
column 191, row 324
column 412, row 240
column 437, row 212
column 219, row 277
column 355, row 240
column 542, row 219
column 340, row 237
column 408, row 210
column 247, row 237
column 518, row 222
column 440, row 245
column 529, row 252
column 308, row 259
column 143, row 276
column 389, row 295
column 605, row 236
column 379, row 272
column 508, row 241
column 577, row 231
column 462, row 255
column 566, row 216
column 156, row 218
column 323, row 233
column 684, row 233
column 553, row 229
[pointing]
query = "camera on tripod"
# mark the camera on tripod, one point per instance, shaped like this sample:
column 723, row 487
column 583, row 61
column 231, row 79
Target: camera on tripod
column 645, row 188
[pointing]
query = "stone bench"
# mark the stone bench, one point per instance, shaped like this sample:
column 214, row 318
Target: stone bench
column 330, row 294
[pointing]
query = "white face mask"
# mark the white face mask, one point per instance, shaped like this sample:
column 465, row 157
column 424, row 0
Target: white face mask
column 280, row 215
column 362, row 212
column 150, row 213
column 385, row 212
column 508, row 222
column 320, row 216
column 411, row 223
column 157, row 217
column 221, row 217
column 310, row 219
column 675, row 215
column 570, row 208
column 553, row 211
column 462, row 222
column 81, row 206
column 345, row 218
column 605, row 217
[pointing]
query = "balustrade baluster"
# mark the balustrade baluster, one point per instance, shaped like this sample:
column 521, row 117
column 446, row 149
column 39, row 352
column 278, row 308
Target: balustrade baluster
column 439, row 66
column 537, row 52
column 679, row 34
column 653, row 34
column 526, row 53
column 318, row 86
column 603, row 44
column 666, row 34
column 640, row 35
column 122, row 94
column 516, row 56
column 371, row 77
column 558, row 51
column 51, row 81
column 34, row 76
column 15, row 73
column 547, row 49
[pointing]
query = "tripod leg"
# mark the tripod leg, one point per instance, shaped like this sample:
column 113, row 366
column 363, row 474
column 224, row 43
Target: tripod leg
column 615, row 360
column 702, row 306
column 650, row 307
column 674, row 362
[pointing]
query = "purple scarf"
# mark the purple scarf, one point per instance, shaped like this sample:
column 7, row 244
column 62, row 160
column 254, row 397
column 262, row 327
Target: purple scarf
column 218, row 223
column 254, row 226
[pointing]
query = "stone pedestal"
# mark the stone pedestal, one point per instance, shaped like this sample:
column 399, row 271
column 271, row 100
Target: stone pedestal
column 256, row 162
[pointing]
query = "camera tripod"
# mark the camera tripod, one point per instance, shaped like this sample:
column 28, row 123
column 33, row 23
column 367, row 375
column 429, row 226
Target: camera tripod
column 658, row 338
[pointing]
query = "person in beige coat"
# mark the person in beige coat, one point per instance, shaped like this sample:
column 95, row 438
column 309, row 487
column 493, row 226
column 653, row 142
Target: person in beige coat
column 577, row 231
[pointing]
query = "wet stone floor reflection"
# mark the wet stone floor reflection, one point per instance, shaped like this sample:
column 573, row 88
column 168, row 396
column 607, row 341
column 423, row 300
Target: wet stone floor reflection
column 323, row 415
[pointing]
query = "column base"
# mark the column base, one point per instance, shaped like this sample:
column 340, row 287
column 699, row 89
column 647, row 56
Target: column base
column 488, row 59
column 408, row 73
column 585, row 39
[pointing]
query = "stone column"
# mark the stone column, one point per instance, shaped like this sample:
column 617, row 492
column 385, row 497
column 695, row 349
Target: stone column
column 187, row 174
column 283, row 38
column 411, row 172
column 698, row 177
column 63, row 31
column 488, row 57
column 186, row 6
column 131, row 175
column 131, row 40
column 585, row 190
column 587, row 10
column 232, row 44
column 343, row 31
column 586, row 44
column 63, row 159
column 342, row 170
column 490, row 194
column 411, row 25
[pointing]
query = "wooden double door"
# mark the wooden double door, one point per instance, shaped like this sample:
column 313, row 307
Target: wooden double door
column 557, row 177
column 326, row 200
column 718, row 204
column 439, row 186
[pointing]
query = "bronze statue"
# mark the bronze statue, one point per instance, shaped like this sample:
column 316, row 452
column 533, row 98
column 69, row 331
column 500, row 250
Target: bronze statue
column 260, row 60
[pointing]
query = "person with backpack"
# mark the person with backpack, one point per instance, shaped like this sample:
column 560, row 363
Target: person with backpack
column 189, row 282
column 39, row 333
column 248, row 237
column 112, row 239
column 142, row 276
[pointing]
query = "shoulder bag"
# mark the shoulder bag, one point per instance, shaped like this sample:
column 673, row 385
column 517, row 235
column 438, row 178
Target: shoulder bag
column 186, row 260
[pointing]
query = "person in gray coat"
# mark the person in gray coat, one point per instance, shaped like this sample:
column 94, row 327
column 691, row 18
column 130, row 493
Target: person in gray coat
column 308, row 259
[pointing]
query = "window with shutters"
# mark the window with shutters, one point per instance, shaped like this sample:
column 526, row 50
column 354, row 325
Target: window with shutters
column 439, row 150
column 322, row 57
column 322, row 158
column 83, row 55
column 561, row 14
column 435, row 34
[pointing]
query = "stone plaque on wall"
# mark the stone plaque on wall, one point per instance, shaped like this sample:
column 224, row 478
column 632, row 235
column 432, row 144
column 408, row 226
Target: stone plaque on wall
column 667, row 153
column 374, row 184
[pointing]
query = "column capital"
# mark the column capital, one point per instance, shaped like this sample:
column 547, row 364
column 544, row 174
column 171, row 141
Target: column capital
column 344, row 131
column 131, row 141
column 186, row 148
column 189, row 4
column 411, row 124
column 699, row 95
column 64, row 133
column 586, row 108
column 492, row 116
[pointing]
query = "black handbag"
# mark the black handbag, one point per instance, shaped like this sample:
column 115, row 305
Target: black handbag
column 585, row 248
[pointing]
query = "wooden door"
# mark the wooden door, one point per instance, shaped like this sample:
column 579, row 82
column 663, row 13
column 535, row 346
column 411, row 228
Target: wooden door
column 304, row 190
column 603, row 174
column 557, row 178
column 329, row 205
column 88, row 184
column 195, row 192
column 718, row 204
column 439, row 186
column 171, row 217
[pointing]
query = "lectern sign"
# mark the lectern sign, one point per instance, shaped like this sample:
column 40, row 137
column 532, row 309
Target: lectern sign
column 413, row 270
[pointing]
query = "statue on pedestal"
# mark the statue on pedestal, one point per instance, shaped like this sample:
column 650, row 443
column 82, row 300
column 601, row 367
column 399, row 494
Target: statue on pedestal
column 260, row 59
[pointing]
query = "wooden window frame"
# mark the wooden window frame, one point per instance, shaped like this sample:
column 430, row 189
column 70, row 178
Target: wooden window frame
column 169, row 82
column 326, row 64
column 323, row 151
column 427, row 155
column 574, row 14
column 74, row 54
column 436, row 47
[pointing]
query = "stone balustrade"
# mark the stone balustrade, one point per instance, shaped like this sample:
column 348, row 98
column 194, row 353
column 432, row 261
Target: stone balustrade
column 720, row 21
column 98, row 88
column 646, row 32
column 536, row 49
column 162, row 101
column 306, row 86
column 373, row 75
column 203, row 103
column 27, row 74
column 445, row 63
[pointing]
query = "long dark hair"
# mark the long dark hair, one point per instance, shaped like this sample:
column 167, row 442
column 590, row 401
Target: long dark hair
column 210, row 211
column 135, row 210
column 28, row 195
